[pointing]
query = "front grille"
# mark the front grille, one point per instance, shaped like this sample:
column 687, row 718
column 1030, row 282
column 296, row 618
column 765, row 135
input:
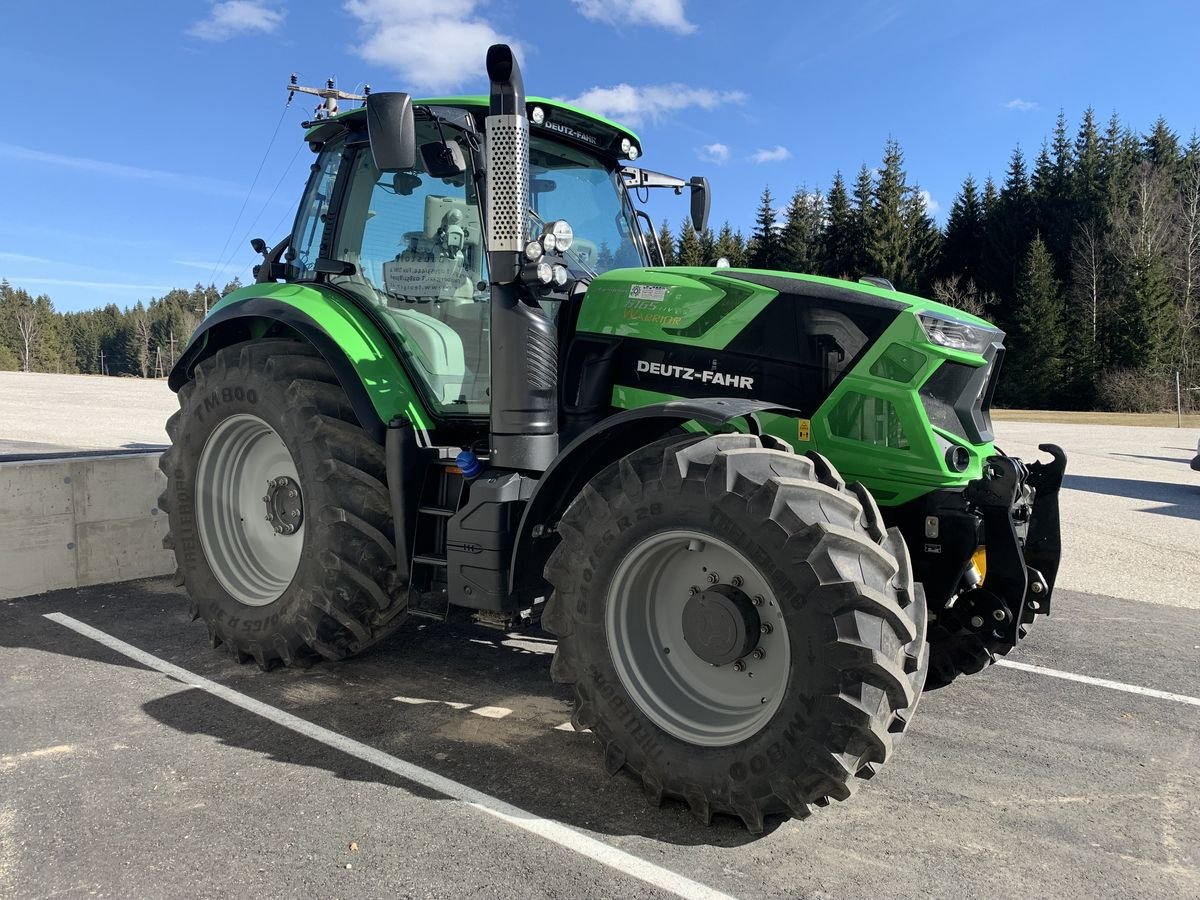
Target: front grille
column 958, row 398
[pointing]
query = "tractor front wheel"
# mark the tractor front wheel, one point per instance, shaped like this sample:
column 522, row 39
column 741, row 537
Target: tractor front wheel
column 741, row 631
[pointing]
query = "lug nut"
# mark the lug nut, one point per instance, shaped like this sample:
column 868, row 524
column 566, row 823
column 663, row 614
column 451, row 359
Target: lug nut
column 739, row 666
column 279, row 529
column 713, row 577
column 288, row 529
column 758, row 653
column 999, row 615
column 736, row 581
column 292, row 494
column 756, row 600
column 693, row 590
column 766, row 628
column 976, row 621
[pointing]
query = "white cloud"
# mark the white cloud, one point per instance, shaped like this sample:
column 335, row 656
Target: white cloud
column 233, row 18
column 668, row 14
column 1020, row 105
column 22, row 258
column 104, row 285
column 120, row 170
column 714, row 153
column 433, row 46
column 931, row 206
column 635, row 105
column 778, row 153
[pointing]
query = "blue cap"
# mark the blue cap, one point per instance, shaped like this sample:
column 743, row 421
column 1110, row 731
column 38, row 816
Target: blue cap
column 469, row 463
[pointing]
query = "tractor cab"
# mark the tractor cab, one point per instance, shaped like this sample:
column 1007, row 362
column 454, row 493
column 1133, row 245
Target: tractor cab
column 409, row 243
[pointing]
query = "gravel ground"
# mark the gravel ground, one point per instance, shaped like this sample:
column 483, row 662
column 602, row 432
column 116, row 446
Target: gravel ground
column 50, row 413
column 1131, row 508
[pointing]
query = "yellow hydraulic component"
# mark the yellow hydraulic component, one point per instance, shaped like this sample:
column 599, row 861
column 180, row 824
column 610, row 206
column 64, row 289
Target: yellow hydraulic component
column 979, row 562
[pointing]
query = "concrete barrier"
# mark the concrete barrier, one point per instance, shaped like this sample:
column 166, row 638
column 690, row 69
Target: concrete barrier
column 78, row 520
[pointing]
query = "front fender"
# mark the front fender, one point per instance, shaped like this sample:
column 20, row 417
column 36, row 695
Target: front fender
column 604, row 443
column 355, row 346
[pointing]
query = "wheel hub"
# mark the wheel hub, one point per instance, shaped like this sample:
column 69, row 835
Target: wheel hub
column 285, row 505
column 721, row 625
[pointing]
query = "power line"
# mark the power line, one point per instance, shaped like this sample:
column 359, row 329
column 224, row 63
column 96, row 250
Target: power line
column 249, row 191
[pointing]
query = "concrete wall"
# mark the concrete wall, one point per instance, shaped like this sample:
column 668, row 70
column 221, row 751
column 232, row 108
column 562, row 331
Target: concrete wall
column 77, row 521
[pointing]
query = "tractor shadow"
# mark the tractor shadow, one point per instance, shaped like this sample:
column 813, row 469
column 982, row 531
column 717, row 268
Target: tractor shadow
column 522, row 757
column 1178, row 500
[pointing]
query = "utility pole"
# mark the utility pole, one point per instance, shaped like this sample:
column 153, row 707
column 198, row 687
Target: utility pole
column 103, row 370
column 171, row 344
column 158, row 366
column 329, row 95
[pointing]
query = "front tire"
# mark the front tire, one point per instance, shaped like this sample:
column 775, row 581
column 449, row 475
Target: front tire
column 797, row 556
column 279, row 512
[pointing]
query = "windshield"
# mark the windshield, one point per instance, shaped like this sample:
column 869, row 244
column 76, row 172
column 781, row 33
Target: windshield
column 566, row 183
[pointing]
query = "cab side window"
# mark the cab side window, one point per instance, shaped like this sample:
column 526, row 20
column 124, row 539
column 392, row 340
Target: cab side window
column 314, row 210
column 415, row 245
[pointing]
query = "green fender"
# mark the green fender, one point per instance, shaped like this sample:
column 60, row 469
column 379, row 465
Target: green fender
column 356, row 343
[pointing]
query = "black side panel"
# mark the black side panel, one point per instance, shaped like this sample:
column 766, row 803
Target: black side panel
column 480, row 537
column 231, row 323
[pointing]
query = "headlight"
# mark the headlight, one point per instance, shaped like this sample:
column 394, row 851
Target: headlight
column 538, row 115
column 955, row 333
column 563, row 234
column 545, row 272
column 533, row 251
column 634, row 153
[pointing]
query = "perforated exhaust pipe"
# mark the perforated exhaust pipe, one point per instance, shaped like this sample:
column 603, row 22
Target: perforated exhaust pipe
column 524, row 424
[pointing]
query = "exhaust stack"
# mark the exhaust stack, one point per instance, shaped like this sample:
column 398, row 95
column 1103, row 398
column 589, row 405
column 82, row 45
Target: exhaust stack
column 524, row 421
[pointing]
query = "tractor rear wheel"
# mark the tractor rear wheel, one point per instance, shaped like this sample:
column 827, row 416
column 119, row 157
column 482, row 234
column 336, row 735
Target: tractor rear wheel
column 741, row 631
column 278, row 505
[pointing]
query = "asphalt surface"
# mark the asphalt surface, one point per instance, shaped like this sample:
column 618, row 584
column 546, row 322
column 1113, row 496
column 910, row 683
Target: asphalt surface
column 119, row 781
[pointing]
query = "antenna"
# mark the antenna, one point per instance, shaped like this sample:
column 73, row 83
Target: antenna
column 329, row 95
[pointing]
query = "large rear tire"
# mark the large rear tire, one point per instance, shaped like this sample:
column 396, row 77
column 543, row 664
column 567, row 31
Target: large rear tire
column 671, row 562
column 279, row 512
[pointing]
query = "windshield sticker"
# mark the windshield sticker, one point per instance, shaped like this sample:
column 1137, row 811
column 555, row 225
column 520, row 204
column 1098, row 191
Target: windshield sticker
column 686, row 373
column 654, row 292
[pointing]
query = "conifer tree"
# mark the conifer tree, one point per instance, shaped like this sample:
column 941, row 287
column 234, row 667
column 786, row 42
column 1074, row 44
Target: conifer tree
column 726, row 246
column 962, row 249
column 837, row 257
column 667, row 241
column 688, row 251
column 1036, row 373
column 802, row 232
column 766, row 252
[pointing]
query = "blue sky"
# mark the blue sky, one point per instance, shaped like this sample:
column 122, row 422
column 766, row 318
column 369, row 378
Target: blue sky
column 134, row 129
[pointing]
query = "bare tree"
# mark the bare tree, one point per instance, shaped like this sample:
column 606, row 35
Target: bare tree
column 1087, row 263
column 1188, row 262
column 29, row 326
column 964, row 295
column 1145, row 229
column 141, row 334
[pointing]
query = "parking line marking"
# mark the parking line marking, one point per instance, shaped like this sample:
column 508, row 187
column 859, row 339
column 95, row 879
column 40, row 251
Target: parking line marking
column 492, row 712
column 1100, row 682
column 564, row 835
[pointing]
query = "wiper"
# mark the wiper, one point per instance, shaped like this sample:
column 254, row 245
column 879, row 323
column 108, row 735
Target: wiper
column 571, row 255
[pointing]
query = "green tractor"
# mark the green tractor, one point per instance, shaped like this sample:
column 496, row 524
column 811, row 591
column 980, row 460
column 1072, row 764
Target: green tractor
column 757, row 509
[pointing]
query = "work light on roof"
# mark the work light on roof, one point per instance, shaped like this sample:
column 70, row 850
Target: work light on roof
column 538, row 115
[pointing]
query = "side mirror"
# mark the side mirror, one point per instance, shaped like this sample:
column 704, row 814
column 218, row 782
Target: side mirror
column 392, row 131
column 443, row 159
column 701, row 201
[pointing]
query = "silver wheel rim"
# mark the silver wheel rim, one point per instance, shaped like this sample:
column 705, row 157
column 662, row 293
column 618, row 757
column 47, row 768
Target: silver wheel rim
column 242, row 459
column 689, row 698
